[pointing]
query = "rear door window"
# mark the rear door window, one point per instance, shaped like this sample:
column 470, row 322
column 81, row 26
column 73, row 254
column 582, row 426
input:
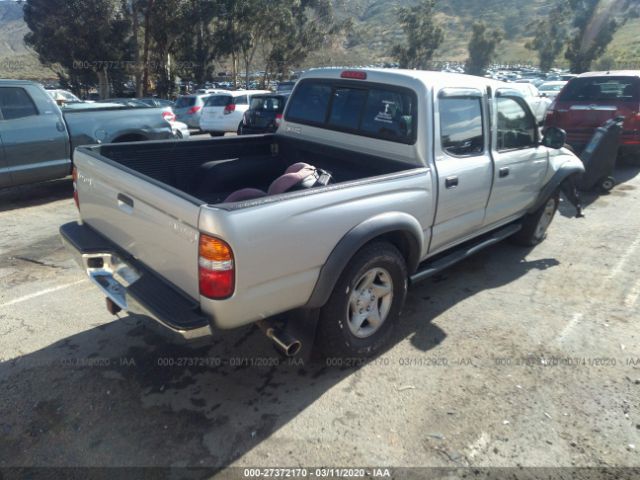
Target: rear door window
column 602, row 89
column 461, row 132
column 16, row 103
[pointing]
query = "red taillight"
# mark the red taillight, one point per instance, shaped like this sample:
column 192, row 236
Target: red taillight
column 74, row 176
column 193, row 110
column 230, row 108
column 354, row 74
column 169, row 116
column 278, row 119
column 216, row 268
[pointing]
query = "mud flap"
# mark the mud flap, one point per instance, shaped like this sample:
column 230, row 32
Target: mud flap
column 570, row 191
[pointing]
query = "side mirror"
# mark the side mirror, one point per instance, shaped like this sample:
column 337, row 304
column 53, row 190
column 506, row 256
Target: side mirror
column 542, row 94
column 554, row 137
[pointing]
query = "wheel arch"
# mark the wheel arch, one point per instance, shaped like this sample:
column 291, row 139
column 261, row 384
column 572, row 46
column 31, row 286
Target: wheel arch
column 398, row 228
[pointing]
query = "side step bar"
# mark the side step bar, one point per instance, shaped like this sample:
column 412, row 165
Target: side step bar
column 431, row 267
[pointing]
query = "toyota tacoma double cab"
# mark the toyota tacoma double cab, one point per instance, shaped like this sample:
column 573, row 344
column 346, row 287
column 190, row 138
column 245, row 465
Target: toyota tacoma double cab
column 374, row 180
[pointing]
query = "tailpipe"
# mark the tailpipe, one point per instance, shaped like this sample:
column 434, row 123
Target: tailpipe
column 286, row 343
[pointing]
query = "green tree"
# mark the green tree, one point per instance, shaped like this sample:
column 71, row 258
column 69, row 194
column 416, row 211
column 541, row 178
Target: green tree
column 482, row 48
column 594, row 25
column 550, row 35
column 423, row 35
column 87, row 38
column 299, row 27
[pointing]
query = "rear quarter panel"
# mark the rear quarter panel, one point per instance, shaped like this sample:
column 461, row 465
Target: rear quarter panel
column 280, row 247
column 88, row 127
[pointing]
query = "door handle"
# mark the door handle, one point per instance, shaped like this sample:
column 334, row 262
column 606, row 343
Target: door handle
column 503, row 172
column 451, row 182
column 125, row 203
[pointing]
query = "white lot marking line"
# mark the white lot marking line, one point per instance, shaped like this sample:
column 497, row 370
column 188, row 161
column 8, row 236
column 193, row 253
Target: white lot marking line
column 623, row 261
column 629, row 301
column 632, row 297
column 40, row 293
column 569, row 326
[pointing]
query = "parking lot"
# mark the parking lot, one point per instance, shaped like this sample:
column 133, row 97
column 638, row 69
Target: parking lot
column 515, row 357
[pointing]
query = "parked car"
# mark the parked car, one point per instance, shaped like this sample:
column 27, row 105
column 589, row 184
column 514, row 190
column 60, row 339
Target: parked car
column 223, row 112
column 264, row 114
column 188, row 109
column 551, row 89
column 591, row 99
column 536, row 101
column 218, row 234
column 37, row 138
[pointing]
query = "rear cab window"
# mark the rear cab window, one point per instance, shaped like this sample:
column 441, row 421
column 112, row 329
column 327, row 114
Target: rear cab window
column 378, row 111
column 602, row 89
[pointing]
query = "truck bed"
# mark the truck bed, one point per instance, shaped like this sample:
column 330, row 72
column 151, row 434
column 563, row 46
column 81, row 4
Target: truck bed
column 208, row 171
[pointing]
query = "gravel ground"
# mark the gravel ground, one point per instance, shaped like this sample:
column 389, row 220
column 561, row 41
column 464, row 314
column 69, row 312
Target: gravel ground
column 513, row 358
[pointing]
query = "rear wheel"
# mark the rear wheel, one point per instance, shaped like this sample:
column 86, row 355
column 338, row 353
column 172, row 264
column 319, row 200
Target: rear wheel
column 239, row 132
column 365, row 304
column 607, row 184
column 535, row 225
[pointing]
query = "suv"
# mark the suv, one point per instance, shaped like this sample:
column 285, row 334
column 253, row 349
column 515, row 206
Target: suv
column 188, row 109
column 591, row 99
column 224, row 112
column 264, row 114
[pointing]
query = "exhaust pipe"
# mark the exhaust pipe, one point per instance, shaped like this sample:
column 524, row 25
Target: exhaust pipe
column 287, row 344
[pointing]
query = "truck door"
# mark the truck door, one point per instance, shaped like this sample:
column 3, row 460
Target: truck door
column 520, row 161
column 35, row 140
column 463, row 162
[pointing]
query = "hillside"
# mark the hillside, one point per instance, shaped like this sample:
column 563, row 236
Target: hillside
column 375, row 29
column 16, row 61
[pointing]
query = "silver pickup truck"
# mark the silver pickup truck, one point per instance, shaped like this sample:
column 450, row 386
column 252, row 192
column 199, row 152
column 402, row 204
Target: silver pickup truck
column 37, row 138
column 374, row 180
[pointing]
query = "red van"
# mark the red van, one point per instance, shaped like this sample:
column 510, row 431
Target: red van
column 590, row 99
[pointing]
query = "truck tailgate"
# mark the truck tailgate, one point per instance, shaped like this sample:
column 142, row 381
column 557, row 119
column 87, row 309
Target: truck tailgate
column 155, row 225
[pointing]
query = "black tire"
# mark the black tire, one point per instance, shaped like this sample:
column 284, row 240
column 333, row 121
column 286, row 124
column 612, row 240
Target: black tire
column 216, row 134
column 239, row 132
column 531, row 234
column 335, row 337
column 607, row 184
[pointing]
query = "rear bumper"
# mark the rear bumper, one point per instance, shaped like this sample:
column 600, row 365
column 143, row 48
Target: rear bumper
column 132, row 286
